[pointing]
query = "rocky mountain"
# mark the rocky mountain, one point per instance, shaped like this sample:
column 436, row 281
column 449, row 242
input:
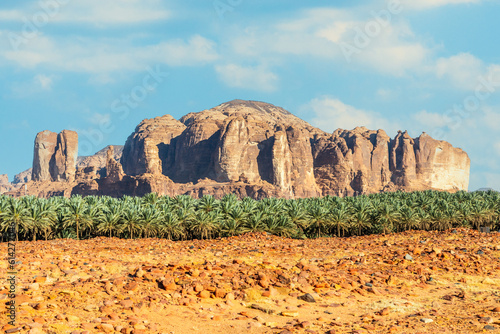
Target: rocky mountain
column 251, row 149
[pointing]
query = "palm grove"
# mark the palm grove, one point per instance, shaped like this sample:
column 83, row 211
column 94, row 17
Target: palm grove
column 183, row 217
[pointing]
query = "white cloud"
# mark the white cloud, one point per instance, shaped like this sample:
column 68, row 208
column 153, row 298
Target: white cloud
column 431, row 120
column 255, row 78
column 101, row 56
column 95, row 12
column 491, row 118
column 386, row 94
column 462, row 70
column 98, row 119
column 44, row 81
column 427, row 4
column 330, row 114
column 497, row 147
column 322, row 33
column 469, row 73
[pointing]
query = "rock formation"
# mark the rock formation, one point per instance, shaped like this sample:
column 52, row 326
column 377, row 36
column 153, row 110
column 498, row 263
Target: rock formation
column 4, row 179
column 114, row 170
column 151, row 147
column 23, row 177
column 55, row 156
column 100, row 159
column 251, row 149
column 45, row 149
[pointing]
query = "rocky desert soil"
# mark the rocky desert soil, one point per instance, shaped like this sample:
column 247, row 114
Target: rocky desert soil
column 414, row 282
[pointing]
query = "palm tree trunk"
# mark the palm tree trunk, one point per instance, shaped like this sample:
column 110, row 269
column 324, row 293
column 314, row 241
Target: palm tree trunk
column 77, row 236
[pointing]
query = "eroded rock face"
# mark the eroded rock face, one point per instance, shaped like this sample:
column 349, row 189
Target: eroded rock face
column 64, row 166
column 100, row 159
column 45, row 149
column 150, row 148
column 114, row 170
column 254, row 142
column 55, row 156
column 440, row 165
column 258, row 150
column 23, row 177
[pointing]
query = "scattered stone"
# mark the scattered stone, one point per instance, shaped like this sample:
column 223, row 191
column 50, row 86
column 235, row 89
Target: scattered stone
column 426, row 320
column 290, row 314
column 263, row 309
column 307, row 298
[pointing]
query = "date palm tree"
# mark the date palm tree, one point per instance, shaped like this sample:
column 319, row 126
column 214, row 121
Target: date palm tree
column 77, row 214
column 109, row 221
column 41, row 216
column 318, row 219
column 205, row 224
column 17, row 215
column 386, row 216
column 233, row 221
column 169, row 225
column 149, row 218
column 339, row 218
column 361, row 218
column 255, row 223
column 130, row 220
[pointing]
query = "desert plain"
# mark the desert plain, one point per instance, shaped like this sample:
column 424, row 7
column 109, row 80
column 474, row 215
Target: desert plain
column 410, row 282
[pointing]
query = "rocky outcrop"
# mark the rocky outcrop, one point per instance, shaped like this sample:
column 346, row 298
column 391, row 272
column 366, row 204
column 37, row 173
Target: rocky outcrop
column 23, row 177
column 100, row 159
column 252, row 149
column 150, row 149
column 64, row 165
column 45, row 149
column 439, row 165
column 55, row 156
column 114, row 170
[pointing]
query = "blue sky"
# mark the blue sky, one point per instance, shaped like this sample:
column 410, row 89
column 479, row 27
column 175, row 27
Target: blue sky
column 100, row 67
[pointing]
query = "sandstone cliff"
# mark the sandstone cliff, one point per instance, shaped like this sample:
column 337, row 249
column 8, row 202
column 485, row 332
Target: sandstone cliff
column 55, row 156
column 251, row 149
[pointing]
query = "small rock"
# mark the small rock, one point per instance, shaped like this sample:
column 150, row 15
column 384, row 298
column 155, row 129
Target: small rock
column 204, row 294
column 486, row 320
column 490, row 328
column 13, row 330
column 290, row 314
column 108, row 328
column 408, row 257
column 426, row 320
column 307, row 298
column 72, row 318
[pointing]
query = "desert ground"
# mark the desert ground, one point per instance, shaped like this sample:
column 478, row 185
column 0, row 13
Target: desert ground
column 412, row 282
